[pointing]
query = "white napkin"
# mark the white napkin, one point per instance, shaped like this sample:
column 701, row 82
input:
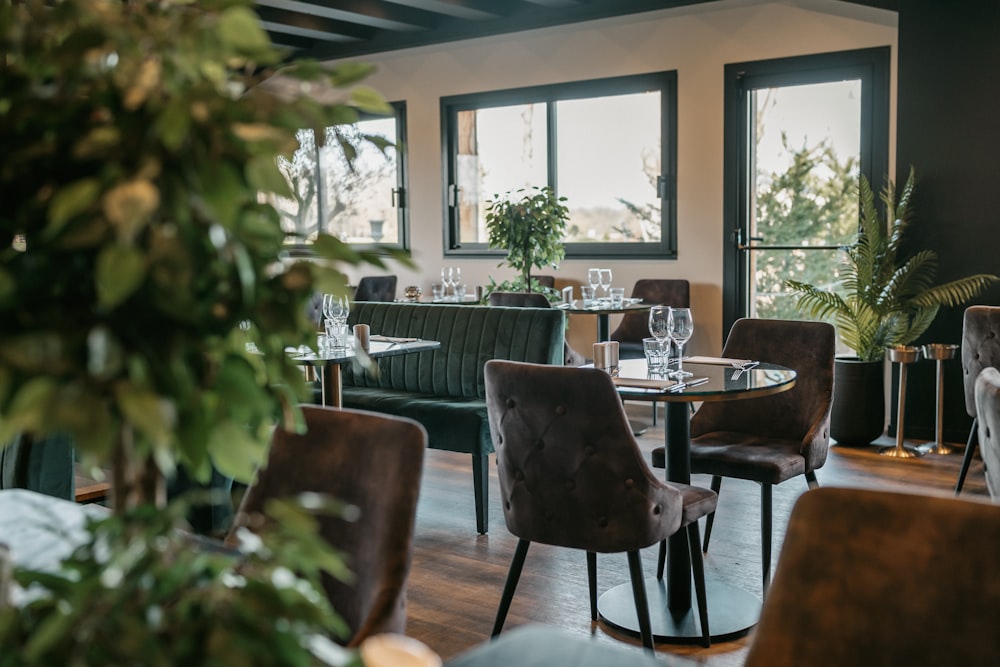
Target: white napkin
column 641, row 383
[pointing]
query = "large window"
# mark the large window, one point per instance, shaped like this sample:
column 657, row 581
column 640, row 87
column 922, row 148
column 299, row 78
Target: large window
column 607, row 146
column 363, row 203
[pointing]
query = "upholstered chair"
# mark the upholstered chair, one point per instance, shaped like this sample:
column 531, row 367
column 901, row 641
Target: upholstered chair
column 980, row 349
column 773, row 438
column 535, row 300
column 376, row 288
column 871, row 578
column 988, row 411
column 635, row 326
column 571, row 475
column 41, row 464
column 375, row 463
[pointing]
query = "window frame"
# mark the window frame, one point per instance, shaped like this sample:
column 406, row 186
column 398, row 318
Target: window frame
column 401, row 191
column 664, row 82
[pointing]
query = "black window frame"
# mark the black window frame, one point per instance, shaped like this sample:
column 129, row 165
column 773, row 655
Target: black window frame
column 664, row 82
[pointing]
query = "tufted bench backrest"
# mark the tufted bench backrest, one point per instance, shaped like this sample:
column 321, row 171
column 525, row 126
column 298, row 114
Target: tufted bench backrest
column 980, row 348
column 469, row 336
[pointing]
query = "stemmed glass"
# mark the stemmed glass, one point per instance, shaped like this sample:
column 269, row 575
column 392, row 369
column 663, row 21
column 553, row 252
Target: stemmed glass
column 681, row 329
column 447, row 280
column 594, row 279
column 606, row 282
column 659, row 325
column 336, row 308
column 456, row 280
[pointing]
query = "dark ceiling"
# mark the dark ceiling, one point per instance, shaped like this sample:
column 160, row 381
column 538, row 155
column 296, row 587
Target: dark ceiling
column 331, row 29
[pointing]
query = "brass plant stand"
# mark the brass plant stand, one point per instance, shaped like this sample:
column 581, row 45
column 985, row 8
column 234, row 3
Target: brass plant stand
column 939, row 352
column 902, row 355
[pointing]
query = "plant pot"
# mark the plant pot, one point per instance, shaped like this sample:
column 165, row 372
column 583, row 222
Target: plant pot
column 858, row 415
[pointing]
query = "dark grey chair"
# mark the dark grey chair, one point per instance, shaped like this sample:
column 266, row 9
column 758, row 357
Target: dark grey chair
column 376, row 288
column 980, row 349
column 373, row 462
column 988, row 411
column 773, row 438
column 571, row 475
column 635, row 326
column 535, row 300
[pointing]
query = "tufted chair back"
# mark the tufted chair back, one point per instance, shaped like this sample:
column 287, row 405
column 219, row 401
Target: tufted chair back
column 376, row 288
column 664, row 292
column 571, row 473
column 980, row 348
column 373, row 462
column 988, row 409
column 802, row 413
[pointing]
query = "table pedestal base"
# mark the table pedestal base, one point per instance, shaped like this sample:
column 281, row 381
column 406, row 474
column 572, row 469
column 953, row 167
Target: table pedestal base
column 732, row 612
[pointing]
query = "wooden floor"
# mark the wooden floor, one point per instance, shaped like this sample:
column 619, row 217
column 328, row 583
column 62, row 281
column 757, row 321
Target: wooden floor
column 457, row 575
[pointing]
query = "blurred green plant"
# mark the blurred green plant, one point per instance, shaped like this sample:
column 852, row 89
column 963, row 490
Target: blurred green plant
column 137, row 141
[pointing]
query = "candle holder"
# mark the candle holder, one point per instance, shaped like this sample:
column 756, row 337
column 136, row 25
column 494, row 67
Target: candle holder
column 939, row 352
column 902, row 355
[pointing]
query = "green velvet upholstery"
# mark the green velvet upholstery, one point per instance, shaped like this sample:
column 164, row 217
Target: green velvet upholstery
column 445, row 390
column 44, row 465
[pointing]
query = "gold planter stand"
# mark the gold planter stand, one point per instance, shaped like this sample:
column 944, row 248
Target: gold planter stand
column 902, row 355
column 939, row 352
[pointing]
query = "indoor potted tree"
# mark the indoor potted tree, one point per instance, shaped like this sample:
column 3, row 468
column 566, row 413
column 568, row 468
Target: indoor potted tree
column 882, row 298
column 529, row 225
column 138, row 139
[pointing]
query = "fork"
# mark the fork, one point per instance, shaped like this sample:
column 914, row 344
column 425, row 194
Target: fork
column 743, row 366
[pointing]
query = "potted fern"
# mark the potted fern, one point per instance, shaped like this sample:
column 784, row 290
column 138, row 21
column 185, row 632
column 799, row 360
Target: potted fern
column 882, row 298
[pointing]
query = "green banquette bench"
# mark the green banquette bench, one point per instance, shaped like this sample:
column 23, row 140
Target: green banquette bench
column 445, row 390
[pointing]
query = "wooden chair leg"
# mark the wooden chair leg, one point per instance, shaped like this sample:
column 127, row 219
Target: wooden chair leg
column 513, row 575
column 970, row 450
column 592, row 583
column 481, row 490
column 710, row 520
column 698, row 569
column 765, row 533
column 639, row 594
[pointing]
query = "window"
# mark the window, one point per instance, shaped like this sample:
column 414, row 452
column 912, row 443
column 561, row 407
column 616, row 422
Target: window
column 363, row 204
column 607, row 146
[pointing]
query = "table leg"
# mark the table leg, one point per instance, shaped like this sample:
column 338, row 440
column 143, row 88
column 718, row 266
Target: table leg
column 330, row 382
column 677, row 430
column 603, row 327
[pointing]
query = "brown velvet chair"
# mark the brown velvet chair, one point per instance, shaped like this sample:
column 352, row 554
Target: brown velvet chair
column 635, row 326
column 774, row 438
column 871, row 578
column 375, row 463
column 571, row 475
column 535, row 300
column 980, row 349
column 376, row 288
column 988, row 409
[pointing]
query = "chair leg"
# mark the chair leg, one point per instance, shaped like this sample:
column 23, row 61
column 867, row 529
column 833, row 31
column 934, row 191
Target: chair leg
column 639, row 594
column 698, row 569
column 970, row 449
column 481, row 490
column 654, row 413
column 592, row 583
column 661, row 560
column 710, row 520
column 765, row 533
column 811, row 480
column 513, row 574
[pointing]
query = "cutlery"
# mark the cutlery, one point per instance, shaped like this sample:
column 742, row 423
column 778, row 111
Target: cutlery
column 743, row 366
column 680, row 386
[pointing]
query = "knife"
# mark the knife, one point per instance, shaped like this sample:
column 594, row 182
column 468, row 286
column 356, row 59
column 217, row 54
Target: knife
column 680, row 386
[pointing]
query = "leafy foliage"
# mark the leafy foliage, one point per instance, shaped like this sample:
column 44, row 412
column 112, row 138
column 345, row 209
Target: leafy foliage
column 138, row 138
column 888, row 299
column 530, row 229
column 139, row 592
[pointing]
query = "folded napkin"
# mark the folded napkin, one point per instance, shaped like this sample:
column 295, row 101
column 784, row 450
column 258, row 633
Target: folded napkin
column 391, row 339
column 640, row 383
column 716, row 361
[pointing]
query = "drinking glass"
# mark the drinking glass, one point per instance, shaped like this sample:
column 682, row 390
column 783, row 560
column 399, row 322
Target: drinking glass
column 606, row 281
column 336, row 308
column 659, row 326
column 681, row 328
column 447, row 280
column 594, row 279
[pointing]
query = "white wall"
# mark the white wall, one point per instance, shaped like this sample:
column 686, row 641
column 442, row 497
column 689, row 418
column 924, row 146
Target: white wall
column 696, row 41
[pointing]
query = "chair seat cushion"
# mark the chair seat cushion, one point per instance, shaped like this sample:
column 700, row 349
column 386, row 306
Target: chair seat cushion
column 746, row 456
column 455, row 424
column 698, row 502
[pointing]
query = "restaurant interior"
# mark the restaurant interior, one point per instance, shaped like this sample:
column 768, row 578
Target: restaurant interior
column 825, row 552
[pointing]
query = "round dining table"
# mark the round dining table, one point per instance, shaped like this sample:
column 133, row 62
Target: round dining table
column 732, row 611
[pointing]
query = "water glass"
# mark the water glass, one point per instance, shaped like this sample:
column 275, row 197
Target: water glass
column 587, row 295
column 657, row 354
column 437, row 291
column 617, row 297
column 337, row 334
column 460, row 292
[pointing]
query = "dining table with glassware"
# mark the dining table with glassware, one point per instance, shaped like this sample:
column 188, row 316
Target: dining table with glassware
column 732, row 611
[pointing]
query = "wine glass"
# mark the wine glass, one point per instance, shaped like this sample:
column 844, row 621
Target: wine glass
column 681, row 329
column 447, row 280
column 456, row 280
column 659, row 324
column 336, row 308
column 594, row 278
column 606, row 282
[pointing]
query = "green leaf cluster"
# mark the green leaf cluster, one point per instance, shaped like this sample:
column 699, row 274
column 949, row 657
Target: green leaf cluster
column 137, row 141
column 886, row 296
column 530, row 227
column 139, row 591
